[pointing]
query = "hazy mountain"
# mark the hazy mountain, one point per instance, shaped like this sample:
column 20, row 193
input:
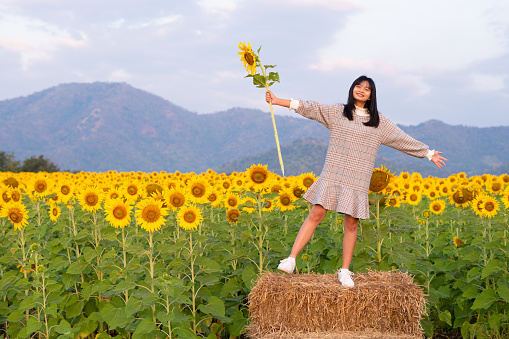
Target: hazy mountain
column 113, row 126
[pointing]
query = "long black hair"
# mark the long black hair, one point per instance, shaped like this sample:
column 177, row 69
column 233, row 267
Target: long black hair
column 374, row 119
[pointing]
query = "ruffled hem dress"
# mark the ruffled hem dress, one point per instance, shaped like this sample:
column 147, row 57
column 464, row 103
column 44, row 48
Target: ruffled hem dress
column 343, row 184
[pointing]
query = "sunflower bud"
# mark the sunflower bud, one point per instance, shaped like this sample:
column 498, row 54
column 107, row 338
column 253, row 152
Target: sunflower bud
column 34, row 247
column 40, row 269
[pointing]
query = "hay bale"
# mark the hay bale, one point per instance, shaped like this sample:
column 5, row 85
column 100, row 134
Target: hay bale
column 381, row 303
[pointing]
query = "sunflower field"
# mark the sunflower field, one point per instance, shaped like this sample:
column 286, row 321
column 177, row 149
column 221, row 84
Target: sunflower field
column 174, row 255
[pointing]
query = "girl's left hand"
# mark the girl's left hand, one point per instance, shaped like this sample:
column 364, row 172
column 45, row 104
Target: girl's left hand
column 438, row 159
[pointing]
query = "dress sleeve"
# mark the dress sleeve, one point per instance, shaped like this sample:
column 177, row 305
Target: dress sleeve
column 315, row 111
column 396, row 138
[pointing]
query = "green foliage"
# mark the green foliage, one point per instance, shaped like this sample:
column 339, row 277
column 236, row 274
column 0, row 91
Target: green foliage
column 98, row 280
column 33, row 164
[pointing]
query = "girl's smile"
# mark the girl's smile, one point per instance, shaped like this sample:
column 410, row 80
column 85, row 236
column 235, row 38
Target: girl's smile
column 362, row 93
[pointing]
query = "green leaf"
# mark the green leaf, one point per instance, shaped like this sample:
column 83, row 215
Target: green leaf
column 491, row 267
column 77, row 267
column 495, row 320
column 32, row 325
column 209, row 265
column 473, row 274
column 238, row 324
column 63, row 328
column 248, row 276
column 214, row 307
column 470, row 292
column 133, row 305
column 232, row 286
column 145, row 327
column 74, row 306
column 124, row 286
column 445, row 316
column 503, row 292
column 485, row 299
column 114, row 316
column 184, row 333
column 269, row 66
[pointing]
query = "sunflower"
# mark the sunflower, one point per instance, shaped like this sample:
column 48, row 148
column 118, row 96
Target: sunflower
column 118, row 213
column 380, row 178
column 478, row 203
column 153, row 190
column 90, row 198
column 248, row 57
column 176, row 198
column 16, row 213
column 150, row 214
column 258, row 175
column 490, row 207
column 298, row 190
column 268, row 205
column 131, row 191
column 404, row 176
column 505, row 198
column 461, row 197
column 284, row 201
column 65, row 191
column 41, row 186
column 232, row 214
column 249, row 204
column 215, row 198
column 457, row 241
column 393, row 201
column 437, row 207
column 6, row 197
column 414, row 198
column 189, row 217
column 15, row 194
column 494, row 186
column 54, row 212
column 307, row 179
column 199, row 190
column 11, row 181
column 226, row 184
column 426, row 214
column 231, row 200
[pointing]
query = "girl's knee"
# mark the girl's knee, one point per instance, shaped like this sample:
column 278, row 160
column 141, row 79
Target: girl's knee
column 351, row 223
column 317, row 213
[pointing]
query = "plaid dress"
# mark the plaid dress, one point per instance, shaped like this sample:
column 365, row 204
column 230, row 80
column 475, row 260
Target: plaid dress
column 343, row 185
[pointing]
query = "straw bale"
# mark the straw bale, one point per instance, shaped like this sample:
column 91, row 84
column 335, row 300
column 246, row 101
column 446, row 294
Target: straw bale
column 387, row 303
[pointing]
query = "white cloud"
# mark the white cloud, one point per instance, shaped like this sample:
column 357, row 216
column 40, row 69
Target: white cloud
column 34, row 39
column 119, row 75
column 157, row 22
column 441, row 35
column 486, row 83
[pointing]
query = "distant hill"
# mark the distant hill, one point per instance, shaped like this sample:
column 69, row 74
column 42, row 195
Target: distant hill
column 113, row 126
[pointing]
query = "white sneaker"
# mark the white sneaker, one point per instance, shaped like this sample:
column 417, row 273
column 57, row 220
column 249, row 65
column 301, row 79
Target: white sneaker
column 345, row 277
column 287, row 265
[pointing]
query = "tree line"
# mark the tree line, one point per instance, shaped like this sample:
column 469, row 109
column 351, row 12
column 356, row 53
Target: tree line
column 8, row 163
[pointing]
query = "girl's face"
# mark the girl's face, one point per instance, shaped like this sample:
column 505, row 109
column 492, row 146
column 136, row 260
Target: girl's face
column 361, row 93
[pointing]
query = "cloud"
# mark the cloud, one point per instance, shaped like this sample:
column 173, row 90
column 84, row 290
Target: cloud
column 34, row 39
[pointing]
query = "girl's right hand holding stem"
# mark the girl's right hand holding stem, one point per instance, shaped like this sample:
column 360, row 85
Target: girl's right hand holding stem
column 272, row 99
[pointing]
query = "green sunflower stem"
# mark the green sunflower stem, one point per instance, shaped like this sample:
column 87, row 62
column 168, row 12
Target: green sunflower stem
column 274, row 124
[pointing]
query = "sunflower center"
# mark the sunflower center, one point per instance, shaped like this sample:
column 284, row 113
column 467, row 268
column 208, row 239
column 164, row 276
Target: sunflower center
column 190, row 216
column 436, row 207
column 496, row 186
column 54, row 211
column 212, row 197
column 392, row 202
column 258, row 177
column 15, row 196
column 413, row 197
column 65, row 189
column 5, row 197
column 298, row 192
column 91, row 199
column 132, row 190
column 249, row 58
column 198, row 190
column 15, row 216
column 120, row 212
column 177, row 199
column 232, row 202
column 40, row 186
column 308, row 181
column 285, row 200
column 114, row 195
column 489, row 206
column 151, row 213
column 226, row 185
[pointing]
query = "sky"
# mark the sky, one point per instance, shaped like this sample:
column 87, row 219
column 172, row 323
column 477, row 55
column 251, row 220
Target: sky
column 436, row 59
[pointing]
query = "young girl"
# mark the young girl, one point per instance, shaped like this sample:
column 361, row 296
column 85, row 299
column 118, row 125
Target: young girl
column 357, row 130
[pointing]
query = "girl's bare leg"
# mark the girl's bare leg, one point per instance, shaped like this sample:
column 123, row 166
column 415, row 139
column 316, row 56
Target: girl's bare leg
column 349, row 239
column 307, row 229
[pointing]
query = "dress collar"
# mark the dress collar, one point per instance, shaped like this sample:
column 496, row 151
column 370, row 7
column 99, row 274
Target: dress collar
column 362, row 112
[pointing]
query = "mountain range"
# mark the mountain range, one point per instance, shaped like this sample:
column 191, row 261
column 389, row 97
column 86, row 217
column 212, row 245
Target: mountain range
column 114, row 126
